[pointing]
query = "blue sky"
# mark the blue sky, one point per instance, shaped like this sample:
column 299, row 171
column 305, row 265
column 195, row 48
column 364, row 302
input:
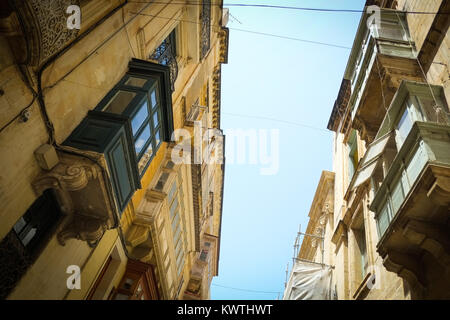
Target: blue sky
column 285, row 80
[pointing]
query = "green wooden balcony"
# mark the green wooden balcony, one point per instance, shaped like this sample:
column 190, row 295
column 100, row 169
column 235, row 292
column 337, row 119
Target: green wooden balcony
column 382, row 55
column 408, row 166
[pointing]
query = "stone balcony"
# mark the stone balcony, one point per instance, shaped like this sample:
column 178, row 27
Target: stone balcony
column 203, row 269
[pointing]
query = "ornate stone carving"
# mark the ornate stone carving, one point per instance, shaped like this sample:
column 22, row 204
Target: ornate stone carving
column 406, row 267
column 83, row 228
column 44, row 27
column 431, row 238
column 83, row 196
column 216, row 93
column 67, row 177
column 439, row 192
column 223, row 48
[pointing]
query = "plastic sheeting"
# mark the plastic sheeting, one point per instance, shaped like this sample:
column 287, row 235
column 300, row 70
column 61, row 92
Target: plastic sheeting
column 308, row 281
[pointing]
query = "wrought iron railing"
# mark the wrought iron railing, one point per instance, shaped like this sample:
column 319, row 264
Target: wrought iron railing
column 205, row 38
column 166, row 54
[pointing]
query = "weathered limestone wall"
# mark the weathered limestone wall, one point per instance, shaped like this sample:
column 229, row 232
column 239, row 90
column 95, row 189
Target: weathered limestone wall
column 72, row 85
column 419, row 24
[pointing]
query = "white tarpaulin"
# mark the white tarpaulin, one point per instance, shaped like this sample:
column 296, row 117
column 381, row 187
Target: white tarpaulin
column 308, row 281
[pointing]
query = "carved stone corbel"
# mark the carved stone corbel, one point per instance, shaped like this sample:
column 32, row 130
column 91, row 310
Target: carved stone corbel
column 430, row 238
column 407, row 267
column 83, row 198
column 69, row 177
column 63, row 179
column 83, row 228
column 439, row 192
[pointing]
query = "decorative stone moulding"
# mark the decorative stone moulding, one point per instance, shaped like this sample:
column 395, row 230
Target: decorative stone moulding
column 83, row 193
column 37, row 29
column 224, row 35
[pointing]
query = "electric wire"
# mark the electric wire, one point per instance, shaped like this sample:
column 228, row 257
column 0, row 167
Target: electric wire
column 276, row 120
column 19, row 114
column 253, row 32
column 270, row 6
column 126, row 32
column 234, row 18
column 246, row 290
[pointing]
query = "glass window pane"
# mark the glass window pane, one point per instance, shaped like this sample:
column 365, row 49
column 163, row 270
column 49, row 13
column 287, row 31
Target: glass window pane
column 153, row 98
column 173, row 207
column 415, row 110
column 128, row 284
column 119, row 102
column 145, row 158
column 177, row 235
column 135, row 82
column 121, row 296
column 397, row 196
column 26, row 238
column 175, row 221
column 142, row 139
column 172, row 191
column 156, row 119
column 392, row 30
column 403, row 128
column 180, row 264
column 19, row 225
column 178, row 248
column 203, row 255
column 180, row 255
column 383, row 219
column 139, row 117
column 416, row 164
column 157, row 138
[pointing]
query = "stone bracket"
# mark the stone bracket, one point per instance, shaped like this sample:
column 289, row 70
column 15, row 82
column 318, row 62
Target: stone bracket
column 81, row 190
column 407, row 267
column 83, row 228
column 440, row 191
column 430, row 238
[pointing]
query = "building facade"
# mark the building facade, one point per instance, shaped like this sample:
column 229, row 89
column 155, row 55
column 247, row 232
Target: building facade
column 383, row 214
column 95, row 204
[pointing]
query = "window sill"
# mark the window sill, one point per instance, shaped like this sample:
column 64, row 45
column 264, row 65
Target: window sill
column 362, row 288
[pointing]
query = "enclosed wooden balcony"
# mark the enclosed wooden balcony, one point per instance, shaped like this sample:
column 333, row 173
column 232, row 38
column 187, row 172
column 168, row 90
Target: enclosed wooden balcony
column 382, row 56
column 409, row 168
